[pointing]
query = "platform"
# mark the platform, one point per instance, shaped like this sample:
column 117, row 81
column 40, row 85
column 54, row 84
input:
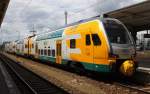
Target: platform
column 143, row 58
column 143, row 69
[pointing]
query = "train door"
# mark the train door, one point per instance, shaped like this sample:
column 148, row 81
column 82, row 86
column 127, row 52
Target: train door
column 99, row 50
column 30, row 46
column 58, row 52
column 88, row 49
column 96, row 46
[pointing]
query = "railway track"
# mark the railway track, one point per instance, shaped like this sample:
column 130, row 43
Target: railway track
column 133, row 86
column 27, row 81
column 143, row 89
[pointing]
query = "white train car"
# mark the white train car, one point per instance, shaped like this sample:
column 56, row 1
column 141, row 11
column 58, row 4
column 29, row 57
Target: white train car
column 7, row 47
column 25, row 46
column 12, row 47
column 19, row 48
column 30, row 46
column 33, row 47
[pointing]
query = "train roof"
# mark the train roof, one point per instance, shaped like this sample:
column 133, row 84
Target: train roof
column 58, row 32
column 99, row 17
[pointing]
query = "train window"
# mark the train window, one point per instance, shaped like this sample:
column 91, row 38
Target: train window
column 96, row 39
column 53, row 53
column 72, row 43
column 25, row 45
column 41, row 51
column 32, row 45
column 45, row 52
column 88, row 41
column 49, row 52
column 36, row 48
column 116, row 32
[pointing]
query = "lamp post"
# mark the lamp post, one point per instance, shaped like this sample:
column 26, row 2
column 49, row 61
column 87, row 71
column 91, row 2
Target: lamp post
column 1, row 36
column 66, row 16
column 18, row 35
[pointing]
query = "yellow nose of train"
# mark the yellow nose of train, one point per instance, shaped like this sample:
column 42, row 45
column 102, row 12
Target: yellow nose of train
column 127, row 68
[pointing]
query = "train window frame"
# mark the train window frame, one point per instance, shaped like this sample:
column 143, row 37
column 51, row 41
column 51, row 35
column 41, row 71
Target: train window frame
column 96, row 39
column 88, row 39
column 72, row 43
column 36, row 48
column 41, row 51
column 26, row 45
column 45, row 51
column 49, row 52
column 53, row 52
column 32, row 45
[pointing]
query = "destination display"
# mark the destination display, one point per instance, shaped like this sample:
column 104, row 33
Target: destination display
column 146, row 35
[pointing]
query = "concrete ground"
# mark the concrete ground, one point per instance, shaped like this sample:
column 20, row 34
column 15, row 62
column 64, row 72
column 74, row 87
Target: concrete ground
column 143, row 57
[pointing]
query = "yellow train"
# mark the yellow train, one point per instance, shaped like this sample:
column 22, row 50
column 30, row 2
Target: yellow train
column 97, row 44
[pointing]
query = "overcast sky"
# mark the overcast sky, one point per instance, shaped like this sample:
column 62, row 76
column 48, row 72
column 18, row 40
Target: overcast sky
column 24, row 15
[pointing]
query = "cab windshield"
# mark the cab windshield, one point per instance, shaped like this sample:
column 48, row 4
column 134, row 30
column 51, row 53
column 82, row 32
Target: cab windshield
column 116, row 32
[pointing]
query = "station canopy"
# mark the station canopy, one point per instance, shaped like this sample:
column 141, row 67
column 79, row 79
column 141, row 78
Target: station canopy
column 135, row 16
column 3, row 7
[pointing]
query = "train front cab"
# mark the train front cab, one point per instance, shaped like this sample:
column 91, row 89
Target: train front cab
column 101, row 46
column 121, row 47
column 29, row 46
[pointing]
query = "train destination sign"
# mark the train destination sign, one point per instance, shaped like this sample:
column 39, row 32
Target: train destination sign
column 146, row 35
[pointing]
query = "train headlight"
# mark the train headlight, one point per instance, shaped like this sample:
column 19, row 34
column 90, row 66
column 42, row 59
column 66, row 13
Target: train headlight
column 127, row 68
